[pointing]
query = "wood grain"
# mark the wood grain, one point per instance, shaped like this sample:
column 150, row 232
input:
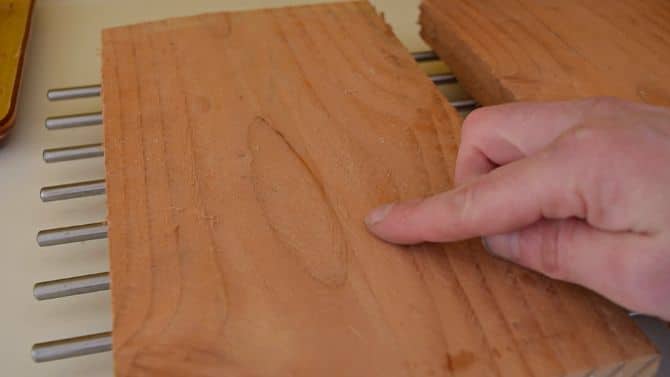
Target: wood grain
column 243, row 151
column 519, row 50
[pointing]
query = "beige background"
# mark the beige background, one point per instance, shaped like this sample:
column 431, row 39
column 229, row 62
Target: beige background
column 64, row 51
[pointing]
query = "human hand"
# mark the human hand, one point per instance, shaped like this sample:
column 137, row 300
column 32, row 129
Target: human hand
column 578, row 190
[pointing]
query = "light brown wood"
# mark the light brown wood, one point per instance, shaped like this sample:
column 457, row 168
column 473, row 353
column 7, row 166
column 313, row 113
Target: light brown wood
column 243, row 151
column 521, row 50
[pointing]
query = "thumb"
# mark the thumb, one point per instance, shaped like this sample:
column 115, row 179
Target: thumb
column 623, row 266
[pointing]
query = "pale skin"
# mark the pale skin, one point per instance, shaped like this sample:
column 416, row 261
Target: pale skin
column 577, row 190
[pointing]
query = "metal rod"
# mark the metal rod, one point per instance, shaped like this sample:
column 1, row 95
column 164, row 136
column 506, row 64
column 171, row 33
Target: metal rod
column 71, row 286
column 464, row 104
column 443, row 79
column 72, row 347
column 425, row 56
column 77, row 233
column 77, row 120
column 72, row 190
column 73, row 92
column 72, row 153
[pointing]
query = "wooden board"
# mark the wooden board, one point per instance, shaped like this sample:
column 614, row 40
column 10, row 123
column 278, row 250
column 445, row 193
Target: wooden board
column 243, row 151
column 14, row 26
column 520, row 50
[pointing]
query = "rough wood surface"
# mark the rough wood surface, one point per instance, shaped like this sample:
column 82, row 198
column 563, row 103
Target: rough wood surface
column 243, row 151
column 517, row 50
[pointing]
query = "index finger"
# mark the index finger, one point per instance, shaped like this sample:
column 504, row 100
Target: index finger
column 509, row 198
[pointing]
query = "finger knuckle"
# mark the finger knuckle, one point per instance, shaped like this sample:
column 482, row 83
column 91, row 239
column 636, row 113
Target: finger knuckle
column 467, row 200
column 588, row 150
column 544, row 247
column 474, row 122
column 583, row 141
column 476, row 116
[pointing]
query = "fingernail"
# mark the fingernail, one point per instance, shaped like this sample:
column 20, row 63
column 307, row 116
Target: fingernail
column 378, row 214
column 505, row 246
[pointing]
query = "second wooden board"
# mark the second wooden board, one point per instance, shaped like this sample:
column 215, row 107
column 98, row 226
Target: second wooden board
column 520, row 50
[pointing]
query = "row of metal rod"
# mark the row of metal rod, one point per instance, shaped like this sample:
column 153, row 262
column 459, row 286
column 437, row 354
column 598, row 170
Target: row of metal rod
column 92, row 343
column 101, row 342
